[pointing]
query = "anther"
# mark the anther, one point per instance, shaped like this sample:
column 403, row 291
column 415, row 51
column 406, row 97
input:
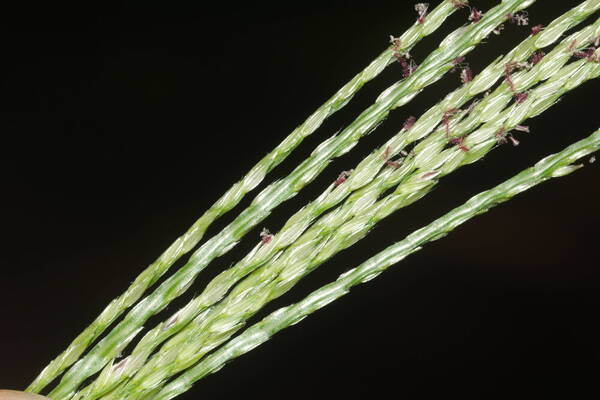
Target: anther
column 408, row 124
column 342, row 178
column 459, row 142
column 521, row 97
column 396, row 43
column 446, row 120
column 408, row 65
column 459, row 3
column 508, row 70
column 536, row 29
column 475, row 15
column 421, row 9
column 458, row 60
column 265, row 236
column 520, row 18
column 502, row 137
column 536, row 57
column 522, row 128
column 498, row 29
column 393, row 164
column 466, row 75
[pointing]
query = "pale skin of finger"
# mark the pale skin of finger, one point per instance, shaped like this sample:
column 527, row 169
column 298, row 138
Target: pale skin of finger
column 14, row 395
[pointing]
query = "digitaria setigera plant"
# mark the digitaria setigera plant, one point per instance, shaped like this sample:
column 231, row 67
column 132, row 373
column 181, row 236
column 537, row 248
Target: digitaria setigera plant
column 487, row 111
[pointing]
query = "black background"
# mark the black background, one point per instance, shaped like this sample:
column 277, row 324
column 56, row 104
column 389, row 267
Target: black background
column 122, row 122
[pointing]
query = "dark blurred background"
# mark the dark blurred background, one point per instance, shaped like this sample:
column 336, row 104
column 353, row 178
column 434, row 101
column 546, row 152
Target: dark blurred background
column 122, row 122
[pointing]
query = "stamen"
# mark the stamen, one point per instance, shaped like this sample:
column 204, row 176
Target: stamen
column 475, row 15
column 396, row 43
column 408, row 124
column 459, row 3
column 536, row 57
column 265, row 236
column 536, row 29
column 522, row 128
column 459, row 141
column 421, row 9
column 521, row 97
column 342, row 178
column 466, row 75
column 520, row 18
column 498, row 29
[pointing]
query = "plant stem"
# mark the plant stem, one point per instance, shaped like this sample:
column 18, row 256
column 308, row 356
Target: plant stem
column 550, row 167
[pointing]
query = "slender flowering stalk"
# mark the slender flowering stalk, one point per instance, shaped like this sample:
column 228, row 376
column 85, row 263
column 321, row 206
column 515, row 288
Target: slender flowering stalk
column 312, row 249
column 236, row 193
column 263, row 252
column 455, row 45
column 554, row 166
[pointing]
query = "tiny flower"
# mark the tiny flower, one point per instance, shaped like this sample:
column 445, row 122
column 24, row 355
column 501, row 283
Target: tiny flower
column 265, row 236
column 396, row 43
column 521, row 97
column 475, row 15
column 501, row 136
column 536, row 29
column 459, row 141
column 458, row 60
column 408, row 66
column 446, row 120
column 410, row 121
column 421, row 9
column 466, row 75
column 522, row 128
column 459, row 3
column 508, row 70
column 393, row 164
column 521, row 18
column 536, row 57
column 342, row 178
